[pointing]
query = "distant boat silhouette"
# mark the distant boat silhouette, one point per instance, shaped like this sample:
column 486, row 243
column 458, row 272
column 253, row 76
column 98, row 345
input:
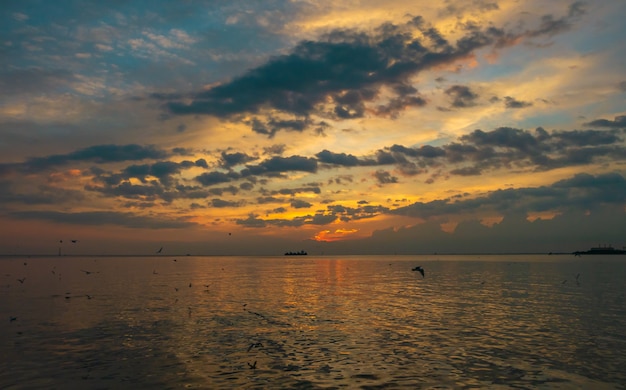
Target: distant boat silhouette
column 301, row 253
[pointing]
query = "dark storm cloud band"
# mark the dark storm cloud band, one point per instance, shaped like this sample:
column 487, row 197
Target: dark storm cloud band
column 103, row 218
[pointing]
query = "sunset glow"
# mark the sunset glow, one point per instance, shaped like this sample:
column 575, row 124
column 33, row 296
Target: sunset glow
column 360, row 127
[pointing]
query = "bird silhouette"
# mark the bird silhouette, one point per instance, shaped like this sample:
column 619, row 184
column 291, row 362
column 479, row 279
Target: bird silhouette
column 252, row 366
column 160, row 249
column 420, row 269
column 22, row 280
column 74, row 241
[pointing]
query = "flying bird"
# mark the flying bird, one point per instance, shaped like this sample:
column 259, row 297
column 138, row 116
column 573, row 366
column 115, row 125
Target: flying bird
column 420, row 269
column 160, row 249
column 74, row 241
column 252, row 366
column 22, row 280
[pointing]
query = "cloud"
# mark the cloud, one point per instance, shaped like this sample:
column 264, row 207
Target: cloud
column 282, row 164
column 212, row 178
column 462, row 96
column 230, row 160
column 344, row 71
column 581, row 192
column 43, row 195
column 98, row 154
column 34, row 80
column 510, row 102
column 507, row 147
column 219, row 203
column 129, row 220
column 300, row 204
column 618, row 122
column 343, row 159
column 385, row 177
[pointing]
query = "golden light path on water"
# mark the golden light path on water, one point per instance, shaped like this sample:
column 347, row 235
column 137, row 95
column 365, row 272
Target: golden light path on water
column 515, row 321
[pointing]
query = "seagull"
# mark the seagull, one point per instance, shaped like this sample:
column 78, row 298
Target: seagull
column 254, row 345
column 420, row 269
column 160, row 249
column 22, row 280
column 87, row 272
column 252, row 366
column 74, row 241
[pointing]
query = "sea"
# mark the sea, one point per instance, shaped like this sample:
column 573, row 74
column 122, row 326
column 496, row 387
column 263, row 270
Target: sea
column 313, row 322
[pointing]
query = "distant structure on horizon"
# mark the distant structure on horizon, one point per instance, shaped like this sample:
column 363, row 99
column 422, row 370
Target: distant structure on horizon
column 602, row 250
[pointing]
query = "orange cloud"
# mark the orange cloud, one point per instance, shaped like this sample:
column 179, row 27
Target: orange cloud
column 337, row 235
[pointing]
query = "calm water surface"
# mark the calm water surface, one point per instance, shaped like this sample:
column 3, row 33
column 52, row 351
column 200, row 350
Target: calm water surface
column 313, row 322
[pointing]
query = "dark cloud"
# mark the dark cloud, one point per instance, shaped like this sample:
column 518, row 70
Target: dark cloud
column 426, row 151
column 163, row 171
column 42, row 195
column 510, row 102
column 282, row 164
column 277, row 149
column 300, row 204
column 294, row 191
column 509, row 148
column 467, row 171
column 581, row 192
column 220, row 203
column 252, row 221
column 459, row 8
column 103, row 218
column 344, row 159
column 385, row 177
column 229, row 160
column 462, row 96
column 212, row 178
column 551, row 26
column 269, row 199
column 99, row 154
column 272, row 126
column 618, row 122
column 150, row 191
column 332, row 214
column 338, row 75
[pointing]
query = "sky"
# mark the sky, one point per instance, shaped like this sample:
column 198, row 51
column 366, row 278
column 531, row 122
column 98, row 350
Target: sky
column 354, row 127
